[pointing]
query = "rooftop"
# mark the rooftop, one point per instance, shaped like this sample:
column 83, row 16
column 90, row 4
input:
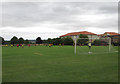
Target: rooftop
column 78, row 33
column 112, row 33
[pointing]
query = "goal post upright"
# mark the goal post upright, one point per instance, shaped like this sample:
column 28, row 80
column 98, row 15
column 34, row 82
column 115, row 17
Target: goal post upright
column 75, row 46
column 109, row 44
column 75, row 43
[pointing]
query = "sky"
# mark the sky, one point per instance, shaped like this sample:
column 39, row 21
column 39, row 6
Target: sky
column 52, row 19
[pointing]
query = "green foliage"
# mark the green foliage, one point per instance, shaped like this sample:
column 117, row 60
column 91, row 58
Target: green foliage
column 67, row 41
column 116, row 43
column 20, row 40
column 83, row 36
column 14, row 40
column 38, row 40
column 7, row 42
column 50, row 41
column 82, row 41
column 2, row 40
column 54, row 41
column 44, row 41
column 26, row 41
column 57, row 41
column 99, row 42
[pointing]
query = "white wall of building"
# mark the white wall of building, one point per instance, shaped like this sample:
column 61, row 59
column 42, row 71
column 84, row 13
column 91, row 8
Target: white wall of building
column 89, row 36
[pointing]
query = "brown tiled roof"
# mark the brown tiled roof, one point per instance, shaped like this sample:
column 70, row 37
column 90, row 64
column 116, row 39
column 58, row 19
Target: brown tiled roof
column 78, row 33
column 100, row 34
column 112, row 33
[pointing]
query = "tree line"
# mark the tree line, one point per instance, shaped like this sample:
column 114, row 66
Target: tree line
column 15, row 40
column 55, row 41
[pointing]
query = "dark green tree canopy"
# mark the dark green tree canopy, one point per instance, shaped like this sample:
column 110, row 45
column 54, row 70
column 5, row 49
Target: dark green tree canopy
column 57, row 41
column 67, row 41
column 21, row 40
column 38, row 40
column 49, row 40
column 100, row 42
column 97, row 42
column 82, row 41
column 83, row 36
column 14, row 40
column 26, row 41
column 2, row 40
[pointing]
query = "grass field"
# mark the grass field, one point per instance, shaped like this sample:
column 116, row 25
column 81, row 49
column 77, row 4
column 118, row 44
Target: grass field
column 58, row 64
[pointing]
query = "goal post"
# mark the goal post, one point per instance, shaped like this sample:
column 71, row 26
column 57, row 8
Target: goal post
column 109, row 44
column 75, row 43
column 108, row 40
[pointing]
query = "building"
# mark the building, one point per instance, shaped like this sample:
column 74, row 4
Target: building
column 76, row 34
column 115, row 37
column 32, row 41
column 111, row 33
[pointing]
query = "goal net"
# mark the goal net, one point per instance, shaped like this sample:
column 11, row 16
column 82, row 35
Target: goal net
column 94, row 45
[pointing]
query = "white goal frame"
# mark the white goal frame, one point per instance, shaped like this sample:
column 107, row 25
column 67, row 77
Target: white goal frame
column 75, row 41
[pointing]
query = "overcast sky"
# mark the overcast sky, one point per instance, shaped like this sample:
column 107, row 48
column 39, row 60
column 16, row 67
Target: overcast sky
column 52, row 19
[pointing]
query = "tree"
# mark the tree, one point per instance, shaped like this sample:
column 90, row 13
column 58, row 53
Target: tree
column 97, row 42
column 82, row 41
column 57, row 41
column 67, row 41
column 14, row 40
column 49, row 40
column 7, row 42
column 44, row 41
column 21, row 40
column 26, row 41
column 100, row 42
column 38, row 40
column 2, row 40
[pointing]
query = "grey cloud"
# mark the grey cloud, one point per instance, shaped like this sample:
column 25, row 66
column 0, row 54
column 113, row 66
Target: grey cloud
column 27, row 14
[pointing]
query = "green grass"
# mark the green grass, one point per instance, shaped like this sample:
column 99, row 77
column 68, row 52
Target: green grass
column 58, row 64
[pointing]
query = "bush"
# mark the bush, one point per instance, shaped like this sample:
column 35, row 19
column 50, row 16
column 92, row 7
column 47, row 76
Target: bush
column 21, row 40
column 82, row 41
column 2, row 40
column 67, row 41
column 99, row 42
column 116, row 43
column 50, row 41
column 38, row 40
column 26, row 41
column 57, row 41
column 14, row 40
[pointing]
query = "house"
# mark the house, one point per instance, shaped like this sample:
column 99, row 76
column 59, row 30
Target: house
column 115, row 37
column 111, row 33
column 32, row 41
column 76, row 34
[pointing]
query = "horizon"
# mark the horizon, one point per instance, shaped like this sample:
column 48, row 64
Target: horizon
column 48, row 37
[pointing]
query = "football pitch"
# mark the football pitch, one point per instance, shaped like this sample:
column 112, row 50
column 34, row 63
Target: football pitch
column 59, row 64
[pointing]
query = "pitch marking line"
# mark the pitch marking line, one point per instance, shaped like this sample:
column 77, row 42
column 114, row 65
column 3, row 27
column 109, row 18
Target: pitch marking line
column 38, row 54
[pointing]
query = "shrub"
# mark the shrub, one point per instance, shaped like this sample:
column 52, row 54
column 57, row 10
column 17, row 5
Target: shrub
column 67, row 41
